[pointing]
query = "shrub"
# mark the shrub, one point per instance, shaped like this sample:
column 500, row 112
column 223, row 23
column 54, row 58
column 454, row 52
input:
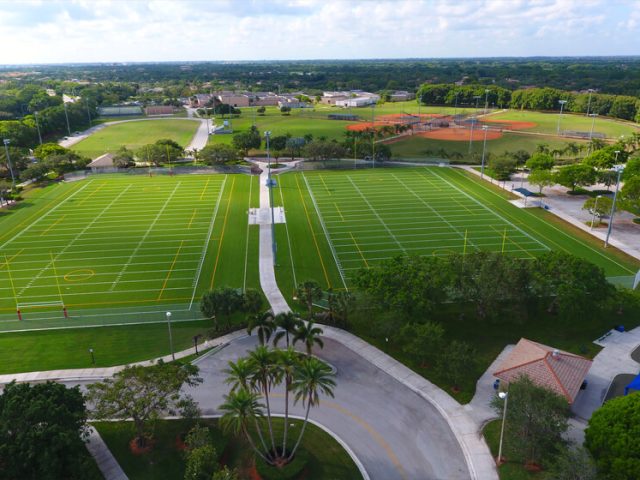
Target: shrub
column 288, row 472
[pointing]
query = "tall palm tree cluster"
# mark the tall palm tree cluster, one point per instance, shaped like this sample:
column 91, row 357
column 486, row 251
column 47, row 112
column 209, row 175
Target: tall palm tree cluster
column 247, row 407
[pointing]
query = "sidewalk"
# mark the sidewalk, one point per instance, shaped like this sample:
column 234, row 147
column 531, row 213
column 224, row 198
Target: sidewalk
column 107, row 463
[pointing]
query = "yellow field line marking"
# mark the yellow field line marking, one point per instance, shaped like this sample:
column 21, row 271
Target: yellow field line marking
column 379, row 439
column 11, row 259
column 36, row 214
column 224, row 226
column 53, row 225
column 339, row 212
column 205, row 188
column 325, row 185
column 358, row 248
column 192, row 217
column 92, row 194
column 313, row 235
column 173, row 264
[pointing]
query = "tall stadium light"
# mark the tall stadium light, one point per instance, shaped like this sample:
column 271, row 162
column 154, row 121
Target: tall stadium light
column 486, row 100
column 562, row 104
column 267, row 136
column 473, row 121
column 66, row 115
column 86, row 102
column 455, row 108
column 589, row 102
column 504, row 396
column 168, row 314
column 35, row 115
column 593, row 123
column 477, row 97
column 484, row 149
column 619, row 169
column 6, row 150
column 595, row 209
column 373, row 134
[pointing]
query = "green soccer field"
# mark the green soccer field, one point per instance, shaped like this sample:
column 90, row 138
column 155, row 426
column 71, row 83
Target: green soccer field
column 134, row 135
column 339, row 222
column 125, row 249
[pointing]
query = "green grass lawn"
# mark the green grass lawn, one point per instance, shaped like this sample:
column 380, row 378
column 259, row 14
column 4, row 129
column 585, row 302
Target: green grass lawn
column 328, row 460
column 513, row 469
column 134, row 135
column 415, row 147
column 548, row 122
column 121, row 249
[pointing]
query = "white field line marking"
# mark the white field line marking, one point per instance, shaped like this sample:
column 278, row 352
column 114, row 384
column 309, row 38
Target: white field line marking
column 377, row 215
column 286, row 228
column 246, row 245
column 462, row 235
column 102, row 292
column 324, row 229
column 96, row 284
column 19, row 234
column 68, row 245
column 144, row 237
column 488, row 209
column 102, row 257
column 206, row 245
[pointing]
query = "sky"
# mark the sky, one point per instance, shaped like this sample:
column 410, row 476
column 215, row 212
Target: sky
column 66, row 31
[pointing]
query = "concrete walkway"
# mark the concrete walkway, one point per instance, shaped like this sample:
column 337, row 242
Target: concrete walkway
column 107, row 463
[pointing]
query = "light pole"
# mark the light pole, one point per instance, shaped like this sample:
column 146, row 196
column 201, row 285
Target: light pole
column 484, row 148
column 66, row 115
column 170, row 335
column 35, row 115
column 504, row 396
column 595, row 209
column 477, row 97
column 593, row 122
column 455, row 108
column 267, row 135
column 373, row 134
column 86, row 102
column 6, row 150
column 562, row 103
column 589, row 102
column 93, row 358
column 619, row 169
column 486, row 100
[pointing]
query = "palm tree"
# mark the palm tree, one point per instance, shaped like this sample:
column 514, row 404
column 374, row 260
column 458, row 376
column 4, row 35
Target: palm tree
column 287, row 323
column 308, row 334
column 308, row 292
column 239, row 407
column 239, row 374
column 288, row 361
column 264, row 375
column 344, row 304
column 311, row 378
column 263, row 323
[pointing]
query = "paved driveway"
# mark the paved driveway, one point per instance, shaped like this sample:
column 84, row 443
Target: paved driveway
column 394, row 432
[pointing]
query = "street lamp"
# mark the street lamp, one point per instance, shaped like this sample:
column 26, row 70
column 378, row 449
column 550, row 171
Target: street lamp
column 562, row 104
column 486, row 100
column 35, row 115
column 6, row 150
column 267, row 136
column 484, row 148
column 619, row 169
column 504, row 396
column 66, row 115
column 595, row 209
column 93, row 358
column 170, row 335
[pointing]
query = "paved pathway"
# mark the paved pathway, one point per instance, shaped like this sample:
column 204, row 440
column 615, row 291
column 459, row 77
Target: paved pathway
column 107, row 463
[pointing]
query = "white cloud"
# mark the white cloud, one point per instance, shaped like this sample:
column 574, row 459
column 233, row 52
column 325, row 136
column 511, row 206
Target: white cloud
column 102, row 30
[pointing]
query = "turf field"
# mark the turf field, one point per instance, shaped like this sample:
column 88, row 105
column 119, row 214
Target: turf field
column 120, row 249
column 134, row 135
column 339, row 222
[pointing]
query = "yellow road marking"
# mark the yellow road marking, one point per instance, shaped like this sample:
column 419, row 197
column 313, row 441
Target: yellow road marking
column 53, row 225
column 364, row 424
column 359, row 251
column 224, row 226
column 205, row 188
column 10, row 259
column 173, row 264
column 339, row 212
column 192, row 217
column 313, row 235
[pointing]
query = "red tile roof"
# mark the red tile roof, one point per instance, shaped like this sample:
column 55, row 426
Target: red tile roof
column 559, row 371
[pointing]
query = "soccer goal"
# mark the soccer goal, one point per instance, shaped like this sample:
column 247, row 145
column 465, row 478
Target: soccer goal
column 55, row 306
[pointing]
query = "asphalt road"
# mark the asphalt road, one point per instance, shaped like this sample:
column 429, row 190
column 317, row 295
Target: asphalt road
column 395, row 433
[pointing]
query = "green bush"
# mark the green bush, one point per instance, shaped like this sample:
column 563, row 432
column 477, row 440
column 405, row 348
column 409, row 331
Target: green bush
column 289, row 472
